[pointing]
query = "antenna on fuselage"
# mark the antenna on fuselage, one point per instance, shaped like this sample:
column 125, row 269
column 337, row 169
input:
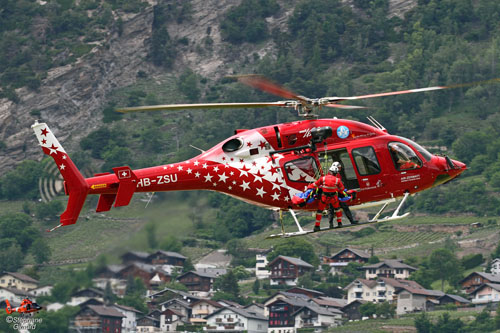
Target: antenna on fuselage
column 376, row 123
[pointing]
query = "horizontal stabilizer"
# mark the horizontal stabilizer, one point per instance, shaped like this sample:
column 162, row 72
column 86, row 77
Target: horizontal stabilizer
column 105, row 202
column 127, row 185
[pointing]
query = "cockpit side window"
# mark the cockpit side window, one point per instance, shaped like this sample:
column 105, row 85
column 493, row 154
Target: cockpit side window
column 302, row 170
column 366, row 161
column 404, row 157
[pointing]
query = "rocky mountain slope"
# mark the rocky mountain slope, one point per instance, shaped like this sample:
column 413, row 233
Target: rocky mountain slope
column 71, row 97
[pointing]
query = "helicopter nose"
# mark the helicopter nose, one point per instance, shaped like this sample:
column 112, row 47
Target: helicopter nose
column 449, row 169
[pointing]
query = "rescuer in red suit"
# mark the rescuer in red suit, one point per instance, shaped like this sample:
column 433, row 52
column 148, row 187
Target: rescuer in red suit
column 330, row 186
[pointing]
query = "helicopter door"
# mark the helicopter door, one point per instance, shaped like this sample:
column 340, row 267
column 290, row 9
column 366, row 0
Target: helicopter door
column 300, row 171
column 348, row 174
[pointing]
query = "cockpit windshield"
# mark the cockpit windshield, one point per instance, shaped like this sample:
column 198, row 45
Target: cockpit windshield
column 424, row 152
column 403, row 156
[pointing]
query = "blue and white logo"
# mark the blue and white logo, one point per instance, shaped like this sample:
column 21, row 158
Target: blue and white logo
column 343, row 132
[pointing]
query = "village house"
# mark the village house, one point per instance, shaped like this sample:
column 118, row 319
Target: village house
column 486, row 293
column 330, row 302
column 97, row 318
column 170, row 319
column 198, row 283
column 15, row 295
column 303, row 299
column 169, row 258
column 342, row 258
column 149, row 274
column 377, row 291
column 232, row 319
column 131, row 257
column 84, row 295
column 475, row 279
column 459, row 301
column 495, row 266
column 412, row 300
column 389, row 268
column 351, row 310
column 179, row 305
column 148, row 324
column 18, row 281
column 261, row 264
column 42, row 291
column 130, row 315
column 280, row 313
column 111, row 274
column 308, row 292
column 201, row 309
column 286, row 270
column 319, row 318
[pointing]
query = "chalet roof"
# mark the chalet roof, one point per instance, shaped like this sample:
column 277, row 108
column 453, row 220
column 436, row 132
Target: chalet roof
column 455, row 298
column 495, row 286
column 105, row 311
column 295, row 261
column 93, row 290
column 139, row 254
column 175, row 312
column 18, row 292
column 359, row 253
column 22, row 277
column 319, row 310
column 415, row 291
column 293, row 300
column 170, row 254
column 183, row 303
column 391, row 263
column 311, row 291
column 329, row 302
column 115, row 268
column 348, row 305
column 208, row 301
column 254, row 304
column 229, row 303
column 153, row 319
column 199, row 273
column 183, row 294
column 488, row 276
column 390, row 281
column 144, row 267
column 242, row 312
column 127, row 308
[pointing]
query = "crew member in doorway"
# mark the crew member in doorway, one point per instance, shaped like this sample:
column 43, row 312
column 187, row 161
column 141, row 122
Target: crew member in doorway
column 341, row 195
column 330, row 186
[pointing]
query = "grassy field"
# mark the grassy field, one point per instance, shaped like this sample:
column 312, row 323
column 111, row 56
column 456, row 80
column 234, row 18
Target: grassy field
column 403, row 324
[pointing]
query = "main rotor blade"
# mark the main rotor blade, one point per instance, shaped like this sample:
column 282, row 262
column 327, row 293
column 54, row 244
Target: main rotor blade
column 411, row 91
column 204, row 106
column 342, row 106
column 261, row 83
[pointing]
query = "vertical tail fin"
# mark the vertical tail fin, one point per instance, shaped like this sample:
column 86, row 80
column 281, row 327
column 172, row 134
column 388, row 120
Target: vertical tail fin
column 74, row 183
column 8, row 308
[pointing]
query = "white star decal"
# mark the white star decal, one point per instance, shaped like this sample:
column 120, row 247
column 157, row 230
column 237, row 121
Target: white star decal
column 215, row 184
column 223, row 177
column 231, row 173
column 276, row 186
column 64, row 157
column 197, row 174
column 165, row 167
column 245, row 186
column 216, row 168
column 53, row 151
column 275, row 196
column 234, row 182
column 261, row 192
column 62, row 167
column 205, row 165
column 243, row 173
column 257, row 179
column 208, row 178
column 196, row 163
column 179, row 168
column 230, row 187
column 189, row 171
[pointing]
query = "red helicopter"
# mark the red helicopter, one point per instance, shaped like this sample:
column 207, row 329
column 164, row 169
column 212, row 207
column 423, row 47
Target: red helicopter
column 267, row 166
column 26, row 307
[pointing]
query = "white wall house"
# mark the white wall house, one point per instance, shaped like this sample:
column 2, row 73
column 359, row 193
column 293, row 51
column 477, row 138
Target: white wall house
column 261, row 271
column 377, row 291
column 495, row 266
column 390, row 268
column 234, row 319
column 486, row 293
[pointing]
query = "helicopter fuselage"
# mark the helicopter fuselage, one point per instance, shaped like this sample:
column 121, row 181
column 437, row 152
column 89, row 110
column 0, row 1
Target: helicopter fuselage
column 267, row 166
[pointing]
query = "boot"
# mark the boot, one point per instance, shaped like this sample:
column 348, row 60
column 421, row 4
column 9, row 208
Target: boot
column 348, row 214
column 339, row 224
column 316, row 228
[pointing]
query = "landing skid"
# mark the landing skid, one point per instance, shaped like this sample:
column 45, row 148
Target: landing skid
column 375, row 219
